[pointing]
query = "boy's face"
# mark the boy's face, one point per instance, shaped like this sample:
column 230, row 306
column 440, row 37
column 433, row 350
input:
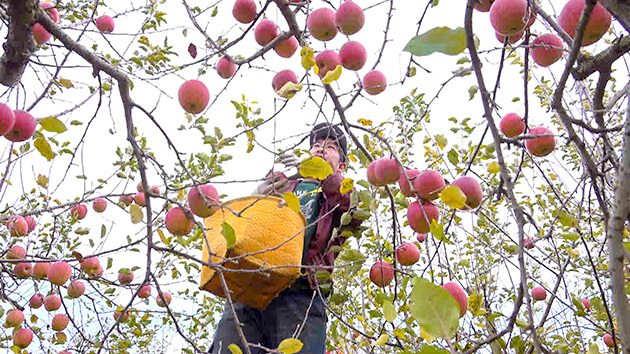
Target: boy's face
column 328, row 150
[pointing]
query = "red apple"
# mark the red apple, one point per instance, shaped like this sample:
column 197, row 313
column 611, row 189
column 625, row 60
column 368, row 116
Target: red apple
column 541, row 146
column 371, row 174
column 125, row 199
column 78, row 211
column 59, row 272
column 193, row 96
column 125, row 316
column 60, row 322
column 529, row 243
column 287, row 47
column 7, row 119
column 597, row 25
column 99, row 205
column 140, row 199
column 105, row 24
column 609, row 341
column 321, row 24
column 90, row 265
column 32, row 223
column 40, row 270
column 459, row 295
column 429, row 184
column 547, row 49
column 36, row 301
column 420, row 216
column 511, row 39
column 539, row 293
column 125, row 276
column 23, row 128
column 326, row 61
column 265, row 32
column 197, row 201
column 374, row 82
column 144, row 292
column 17, row 226
column 586, row 303
column 51, row 11
column 407, row 254
column 244, row 11
column 76, row 289
column 421, row 237
column 387, row 170
column 52, row 302
column 472, row 190
column 512, row 125
column 139, row 187
column 16, row 252
column 405, row 188
column 15, row 318
column 381, row 273
column 167, row 298
column 353, row 55
column 41, row 35
column 282, row 78
column 349, row 18
column 226, row 68
column 23, row 270
column 96, row 274
column 23, row 338
column 508, row 17
column 179, row 221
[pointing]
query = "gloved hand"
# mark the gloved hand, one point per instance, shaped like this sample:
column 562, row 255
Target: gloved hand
column 276, row 183
column 288, row 160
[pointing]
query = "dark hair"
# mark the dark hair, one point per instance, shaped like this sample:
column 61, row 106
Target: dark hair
column 324, row 131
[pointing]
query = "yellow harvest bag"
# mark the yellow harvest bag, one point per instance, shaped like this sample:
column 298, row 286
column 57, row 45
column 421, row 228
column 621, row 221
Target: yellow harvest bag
column 269, row 237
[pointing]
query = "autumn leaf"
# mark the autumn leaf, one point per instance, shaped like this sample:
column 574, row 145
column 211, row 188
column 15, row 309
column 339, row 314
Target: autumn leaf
column 192, row 50
column 234, row 349
column 308, row 59
column 292, row 201
column 290, row 346
column 453, row 197
column 289, row 89
column 136, row 213
column 53, row 124
column 332, row 75
column 434, row 309
column 346, row 185
column 228, row 232
column 315, row 167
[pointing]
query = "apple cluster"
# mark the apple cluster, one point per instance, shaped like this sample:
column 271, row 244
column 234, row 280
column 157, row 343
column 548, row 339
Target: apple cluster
column 203, row 201
column 16, row 125
column 512, row 125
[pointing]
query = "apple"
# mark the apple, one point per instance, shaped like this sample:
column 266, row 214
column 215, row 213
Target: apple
column 405, row 188
column 539, row 293
column 197, row 201
column 287, row 47
column 193, row 96
column 51, row 11
column 547, row 49
column 586, row 303
column 387, row 170
column 78, row 211
column 99, row 205
column 144, row 292
column 23, row 128
column 597, row 25
column 17, row 226
column 32, row 223
column 529, row 243
column 60, row 322
column 76, row 289
column 179, row 221
column 371, row 175
column 381, row 273
column 326, row 61
column 225, row 68
column 541, row 146
column 321, row 24
column 15, row 318
column 374, row 82
column 167, row 298
column 125, row 316
column 459, row 295
column 139, row 187
column 407, row 254
column 52, row 302
column 420, row 216
column 244, row 11
column 428, row 184
column 40, row 34
column 154, row 190
column 16, row 252
column 349, row 18
column 421, row 237
column 7, row 119
column 609, row 341
column 40, row 270
column 36, row 301
column 353, row 55
column 23, row 338
column 125, row 276
column 125, row 199
column 265, row 32
column 105, row 24
column 97, row 273
column 139, row 199
column 511, row 39
column 23, row 270
column 508, row 17
column 59, row 272
column 472, row 190
column 90, row 264
column 282, row 78
column 512, row 125
column 59, row 337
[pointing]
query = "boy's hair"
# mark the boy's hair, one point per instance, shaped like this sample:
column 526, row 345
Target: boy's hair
column 323, row 131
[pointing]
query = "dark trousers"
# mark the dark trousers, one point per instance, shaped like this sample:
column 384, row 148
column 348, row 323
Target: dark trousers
column 285, row 316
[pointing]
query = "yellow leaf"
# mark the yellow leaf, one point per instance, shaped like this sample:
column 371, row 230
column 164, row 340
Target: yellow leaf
column 493, row 167
column 308, row 60
column 162, row 236
column 573, row 252
column 382, row 339
column 426, row 336
column 44, row 148
column 625, row 233
column 234, row 349
column 289, row 89
column 315, row 167
column 136, row 213
column 290, row 346
column 389, row 311
column 66, row 83
column 352, row 158
column 365, row 122
column 292, row 201
column 42, row 181
column 474, row 303
column 332, row 75
column 346, row 185
column 453, row 197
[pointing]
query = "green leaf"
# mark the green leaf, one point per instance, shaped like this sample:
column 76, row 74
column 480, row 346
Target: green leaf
column 136, row 213
column 427, row 349
column 566, row 219
column 389, row 311
column 228, row 232
column 438, row 39
column 290, row 346
column 52, row 124
column 315, row 167
column 593, row 349
column 382, row 340
column 434, row 308
column 44, row 148
column 234, row 349
column 453, row 156
column 437, row 230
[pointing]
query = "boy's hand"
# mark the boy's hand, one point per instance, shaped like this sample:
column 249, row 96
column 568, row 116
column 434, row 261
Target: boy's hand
column 289, row 160
column 276, row 183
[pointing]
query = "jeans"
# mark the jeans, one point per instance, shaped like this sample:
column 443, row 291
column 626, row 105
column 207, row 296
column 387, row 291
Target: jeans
column 282, row 319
